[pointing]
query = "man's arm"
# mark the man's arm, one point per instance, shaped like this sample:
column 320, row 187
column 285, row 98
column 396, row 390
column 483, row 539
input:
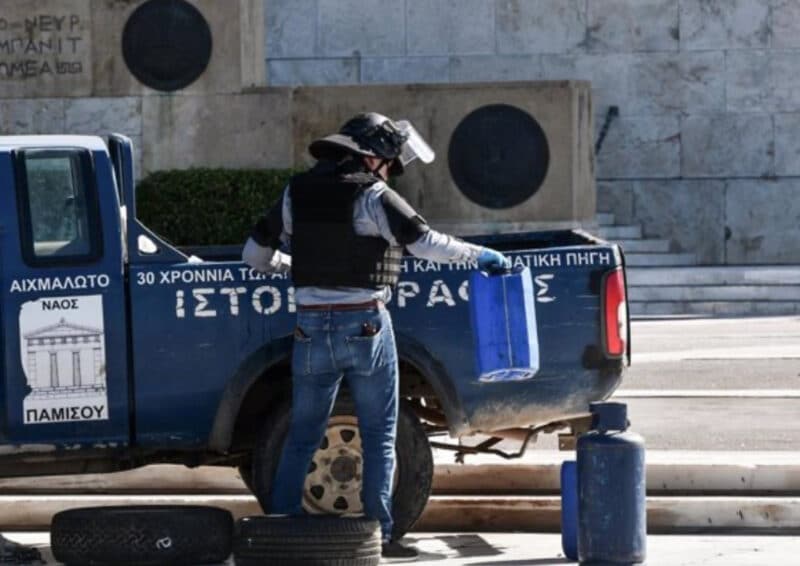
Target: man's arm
column 401, row 225
column 261, row 249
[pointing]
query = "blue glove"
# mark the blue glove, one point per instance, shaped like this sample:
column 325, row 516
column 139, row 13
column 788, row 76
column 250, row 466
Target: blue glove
column 491, row 260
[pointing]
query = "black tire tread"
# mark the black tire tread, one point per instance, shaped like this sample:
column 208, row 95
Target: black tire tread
column 312, row 526
column 246, row 546
column 292, row 561
column 269, row 552
column 323, row 540
column 128, row 535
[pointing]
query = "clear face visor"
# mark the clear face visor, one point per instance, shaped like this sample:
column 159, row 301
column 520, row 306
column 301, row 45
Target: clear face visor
column 415, row 146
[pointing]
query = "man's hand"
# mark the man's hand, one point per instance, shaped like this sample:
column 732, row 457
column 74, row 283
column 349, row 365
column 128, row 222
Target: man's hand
column 491, row 260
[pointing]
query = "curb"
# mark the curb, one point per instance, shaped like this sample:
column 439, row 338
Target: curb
column 680, row 476
column 466, row 514
column 664, row 515
column 662, row 479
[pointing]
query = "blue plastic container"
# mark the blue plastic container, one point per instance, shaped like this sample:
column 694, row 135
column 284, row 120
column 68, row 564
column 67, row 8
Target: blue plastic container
column 569, row 509
column 503, row 313
column 612, row 514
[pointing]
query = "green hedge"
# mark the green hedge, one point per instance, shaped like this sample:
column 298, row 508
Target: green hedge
column 202, row 207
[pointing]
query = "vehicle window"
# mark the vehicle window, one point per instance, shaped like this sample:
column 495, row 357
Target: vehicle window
column 59, row 208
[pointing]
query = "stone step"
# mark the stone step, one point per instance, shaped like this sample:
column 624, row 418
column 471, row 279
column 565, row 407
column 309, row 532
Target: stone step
column 716, row 308
column 703, row 293
column 659, row 259
column 644, row 246
column 737, row 275
column 605, row 219
column 633, row 232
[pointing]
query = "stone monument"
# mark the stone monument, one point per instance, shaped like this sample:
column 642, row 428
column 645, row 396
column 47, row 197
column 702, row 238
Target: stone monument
column 510, row 156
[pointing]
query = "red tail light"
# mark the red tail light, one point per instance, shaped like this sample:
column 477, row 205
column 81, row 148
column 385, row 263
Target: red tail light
column 615, row 315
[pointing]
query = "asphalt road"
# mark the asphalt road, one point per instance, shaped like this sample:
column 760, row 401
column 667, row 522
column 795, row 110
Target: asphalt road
column 721, row 384
column 713, row 384
column 723, row 354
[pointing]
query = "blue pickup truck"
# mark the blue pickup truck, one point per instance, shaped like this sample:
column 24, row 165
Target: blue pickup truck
column 119, row 350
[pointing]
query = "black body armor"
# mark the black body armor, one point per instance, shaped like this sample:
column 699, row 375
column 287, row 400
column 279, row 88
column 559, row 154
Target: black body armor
column 326, row 251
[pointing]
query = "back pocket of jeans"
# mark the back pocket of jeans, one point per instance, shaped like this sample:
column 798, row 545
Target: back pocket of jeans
column 367, row 351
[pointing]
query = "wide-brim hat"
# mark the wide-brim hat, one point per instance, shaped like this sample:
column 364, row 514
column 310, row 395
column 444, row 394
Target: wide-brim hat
column 335, row 147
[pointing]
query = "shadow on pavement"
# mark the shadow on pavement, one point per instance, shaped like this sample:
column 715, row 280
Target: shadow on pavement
column 534, row 562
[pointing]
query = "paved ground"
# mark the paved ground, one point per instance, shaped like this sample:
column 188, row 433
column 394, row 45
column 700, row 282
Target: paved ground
column 749, row 370
column 713, row 384
column 726, row 353
column 695, row 385
column 498, row 549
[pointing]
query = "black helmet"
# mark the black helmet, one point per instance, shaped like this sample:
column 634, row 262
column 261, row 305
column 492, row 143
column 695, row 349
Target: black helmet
column 372, row 135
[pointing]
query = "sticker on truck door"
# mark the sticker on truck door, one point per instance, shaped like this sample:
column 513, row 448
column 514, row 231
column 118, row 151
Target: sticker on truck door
column 63, row 353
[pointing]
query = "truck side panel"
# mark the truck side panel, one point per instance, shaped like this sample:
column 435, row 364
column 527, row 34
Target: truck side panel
column 193, row 326
column 63, row 305
column 213, row 316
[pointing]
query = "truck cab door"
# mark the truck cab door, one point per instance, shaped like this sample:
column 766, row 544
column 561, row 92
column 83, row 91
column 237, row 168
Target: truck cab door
column 63, row 307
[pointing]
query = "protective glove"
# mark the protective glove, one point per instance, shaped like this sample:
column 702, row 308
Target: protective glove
column 491, row 260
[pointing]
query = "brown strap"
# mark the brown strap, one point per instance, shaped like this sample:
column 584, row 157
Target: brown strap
column 342, row 306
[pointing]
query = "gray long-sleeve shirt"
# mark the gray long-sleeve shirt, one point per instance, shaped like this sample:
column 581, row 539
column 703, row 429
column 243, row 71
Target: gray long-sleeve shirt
column 369, row 219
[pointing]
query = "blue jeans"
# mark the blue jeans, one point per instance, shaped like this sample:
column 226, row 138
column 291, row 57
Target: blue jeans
column 329, row 346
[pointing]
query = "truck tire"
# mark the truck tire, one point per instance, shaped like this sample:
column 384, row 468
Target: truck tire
column 246, row 473
column 150, row 535
column 310, row 540
column 413, row 474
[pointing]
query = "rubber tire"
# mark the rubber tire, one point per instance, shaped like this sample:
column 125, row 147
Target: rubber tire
column 130, row 535
column 305, row 541
column 414, row 463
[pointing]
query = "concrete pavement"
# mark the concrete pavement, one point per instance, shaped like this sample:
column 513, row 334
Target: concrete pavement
column 500, row 549
column 727, row 390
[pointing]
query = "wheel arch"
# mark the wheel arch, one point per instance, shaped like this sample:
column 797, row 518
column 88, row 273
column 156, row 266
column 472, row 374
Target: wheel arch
column 267, row 359
column 270, row 365
column 435, row 374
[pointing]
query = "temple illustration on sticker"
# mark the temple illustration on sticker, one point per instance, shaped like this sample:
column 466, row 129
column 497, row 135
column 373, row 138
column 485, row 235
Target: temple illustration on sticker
column 63, row 354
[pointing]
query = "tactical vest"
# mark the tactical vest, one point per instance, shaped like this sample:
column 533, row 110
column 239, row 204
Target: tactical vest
column 326, row 251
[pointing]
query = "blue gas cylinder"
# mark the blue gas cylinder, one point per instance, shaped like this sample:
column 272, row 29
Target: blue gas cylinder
column 503, row 314
column 612, row 514
column 569, row 509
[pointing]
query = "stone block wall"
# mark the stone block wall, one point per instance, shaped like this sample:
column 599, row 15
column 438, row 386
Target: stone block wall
column 706, row 149
column 62, row 71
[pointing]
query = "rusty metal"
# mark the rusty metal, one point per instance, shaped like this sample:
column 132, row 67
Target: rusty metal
column 577, row 427
column 485, row 447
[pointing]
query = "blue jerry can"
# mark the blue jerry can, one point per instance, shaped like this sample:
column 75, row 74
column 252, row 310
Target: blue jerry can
column 612, row 513
column 503, row 316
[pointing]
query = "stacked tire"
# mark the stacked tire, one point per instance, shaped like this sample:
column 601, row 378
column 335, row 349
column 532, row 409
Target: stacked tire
column 147, row 535
column 306, row 541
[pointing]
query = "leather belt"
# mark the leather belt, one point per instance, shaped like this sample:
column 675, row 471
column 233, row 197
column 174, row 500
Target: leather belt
column 342, row 306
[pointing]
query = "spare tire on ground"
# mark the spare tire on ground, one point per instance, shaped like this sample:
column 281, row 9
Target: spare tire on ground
column 307, row 541
column 147, row 535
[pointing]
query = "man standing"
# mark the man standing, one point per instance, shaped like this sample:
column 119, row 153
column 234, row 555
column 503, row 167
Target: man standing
column 347, row 230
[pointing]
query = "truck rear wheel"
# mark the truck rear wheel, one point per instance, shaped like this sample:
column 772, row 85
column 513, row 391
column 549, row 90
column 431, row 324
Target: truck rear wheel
column 147, row 535
column 339, row 456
